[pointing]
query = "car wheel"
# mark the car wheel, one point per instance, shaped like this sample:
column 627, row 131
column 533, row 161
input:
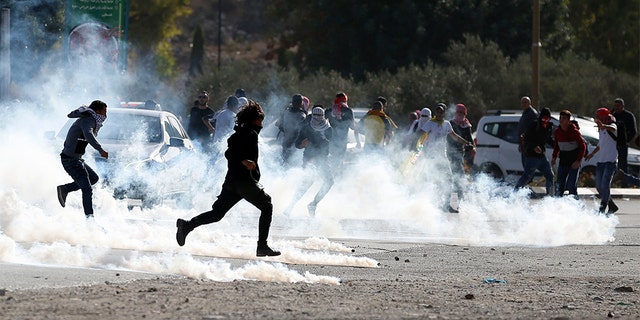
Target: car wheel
column 587, row 177
column 492, row 170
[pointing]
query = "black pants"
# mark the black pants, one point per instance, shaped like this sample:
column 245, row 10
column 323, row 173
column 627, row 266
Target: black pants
column 232, row 192
column 83, row 178
column 623, row 152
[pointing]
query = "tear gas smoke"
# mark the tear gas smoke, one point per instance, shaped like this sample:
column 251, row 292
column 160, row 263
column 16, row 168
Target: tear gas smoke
column 369, row 200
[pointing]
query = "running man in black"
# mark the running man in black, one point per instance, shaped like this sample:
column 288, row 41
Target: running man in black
column 82, row 133
column 241, row 181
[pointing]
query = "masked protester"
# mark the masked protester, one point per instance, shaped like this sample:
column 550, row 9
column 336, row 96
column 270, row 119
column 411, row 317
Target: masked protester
column 82, row 132
column 534, row 140
column 315, row 137
column 241, row 181
column 341, row 119
column 437, row 130
column 289, row 124
column 607, row 157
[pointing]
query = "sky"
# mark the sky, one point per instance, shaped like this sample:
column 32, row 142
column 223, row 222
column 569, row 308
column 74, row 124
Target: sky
column 370, row 200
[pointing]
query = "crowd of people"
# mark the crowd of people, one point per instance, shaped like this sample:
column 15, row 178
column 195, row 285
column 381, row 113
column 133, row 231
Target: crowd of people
column 616, row 130
column 322, row 132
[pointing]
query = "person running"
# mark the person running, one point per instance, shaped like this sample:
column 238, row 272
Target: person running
column 289, row 124
column 315, row 137
column 437, row 130
column 460, row 156
column 569, row 146
column 608, row 154
column 341, row 119
column 82, row 132
column 241, row 181
column 534, row 141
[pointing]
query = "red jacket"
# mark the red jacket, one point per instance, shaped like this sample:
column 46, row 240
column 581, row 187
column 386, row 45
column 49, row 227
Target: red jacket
column 568, row 145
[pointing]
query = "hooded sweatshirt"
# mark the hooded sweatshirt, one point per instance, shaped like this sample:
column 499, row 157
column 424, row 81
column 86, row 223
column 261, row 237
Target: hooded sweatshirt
column 568, row 145
column 82, row 132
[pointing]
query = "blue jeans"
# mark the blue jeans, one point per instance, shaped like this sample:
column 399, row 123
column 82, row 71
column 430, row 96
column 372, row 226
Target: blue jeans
column 83, row 178
column 604, row 174
column 531, row 164
column 567, row 180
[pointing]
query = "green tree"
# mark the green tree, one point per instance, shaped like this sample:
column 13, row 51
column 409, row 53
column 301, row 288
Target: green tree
column 357, row 37
column 609, row 31
column 152, row 24
column 197, row 52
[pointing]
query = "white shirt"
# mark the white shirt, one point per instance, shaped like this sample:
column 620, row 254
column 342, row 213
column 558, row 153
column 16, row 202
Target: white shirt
column 225, row 121
column 438, row 133
column 608, row 151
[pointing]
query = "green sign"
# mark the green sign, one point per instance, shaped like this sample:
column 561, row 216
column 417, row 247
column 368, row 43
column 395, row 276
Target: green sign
column 97, row 32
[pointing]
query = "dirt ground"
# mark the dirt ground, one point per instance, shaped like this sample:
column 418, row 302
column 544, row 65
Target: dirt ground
column 414, row 281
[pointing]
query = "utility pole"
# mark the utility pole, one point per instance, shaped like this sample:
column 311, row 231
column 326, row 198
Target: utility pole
column 219, row 31
column 535, row 56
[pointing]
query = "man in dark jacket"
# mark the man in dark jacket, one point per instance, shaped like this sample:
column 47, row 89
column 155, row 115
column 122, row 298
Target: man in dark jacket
column 535, row 139
column 241, row 181
column 289, row 124
column 529, row 116
column 315, row 138
column 628, row 120
column 82, row 132
column 341, row 118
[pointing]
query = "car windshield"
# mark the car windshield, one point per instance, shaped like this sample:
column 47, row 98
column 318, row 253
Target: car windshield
column 129, row 127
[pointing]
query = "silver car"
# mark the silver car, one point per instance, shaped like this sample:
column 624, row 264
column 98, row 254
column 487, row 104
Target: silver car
column 145, row 148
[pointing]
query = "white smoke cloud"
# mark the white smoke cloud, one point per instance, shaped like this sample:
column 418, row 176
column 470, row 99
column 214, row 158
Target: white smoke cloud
column 370, row 200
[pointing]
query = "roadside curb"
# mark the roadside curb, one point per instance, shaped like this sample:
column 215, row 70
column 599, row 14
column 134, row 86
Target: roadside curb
column 592, row 192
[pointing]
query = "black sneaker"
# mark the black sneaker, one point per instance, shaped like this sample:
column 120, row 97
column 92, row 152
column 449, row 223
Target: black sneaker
column 264, row 251
column 452, row 210
column 603, row 206
column 182, row 232
column 612, row 207
column 62, row 196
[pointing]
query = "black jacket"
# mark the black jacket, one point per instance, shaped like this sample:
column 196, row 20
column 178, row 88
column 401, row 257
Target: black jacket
column 537, row 136
column 319, row 141
column 629, row 121
column 242, row 145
